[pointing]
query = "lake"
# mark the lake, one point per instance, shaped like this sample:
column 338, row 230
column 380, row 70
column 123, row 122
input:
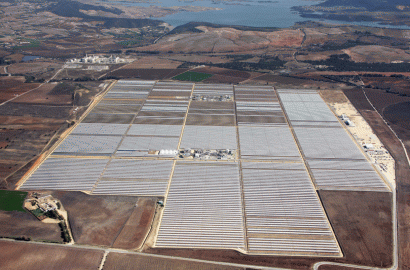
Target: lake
column 27, row 58
column 256, row 13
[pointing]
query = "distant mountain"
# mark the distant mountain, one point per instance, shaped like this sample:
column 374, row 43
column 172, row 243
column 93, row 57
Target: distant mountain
column 370, row 5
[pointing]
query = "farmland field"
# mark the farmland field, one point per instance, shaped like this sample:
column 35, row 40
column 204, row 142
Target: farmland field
column 12, row 200
column 192, row 76
column 139, row 262
column 18, row 255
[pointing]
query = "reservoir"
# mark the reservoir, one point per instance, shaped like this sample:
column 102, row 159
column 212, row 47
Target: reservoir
column 255, row 13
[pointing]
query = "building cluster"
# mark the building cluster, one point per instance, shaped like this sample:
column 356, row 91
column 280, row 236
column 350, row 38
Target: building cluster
column 45, row 203
column 214, row 154
column 212, row 98
column 96, row 59
column 346, row 120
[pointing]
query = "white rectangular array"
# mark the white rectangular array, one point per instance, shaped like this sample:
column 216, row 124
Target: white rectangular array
column 130, row 187
column 213, row 89
column 88, row 145
column 165, row 106
column 336, row 162
column 128, row 89
column 327, row 143
column 101, row 129
column 348, row 180
column 132, row 146
column 139, row 169
column 135, row 177
column 66, row 174
column 259, row 142
column 203, row 208
column 155, row 130
column 283, row 213
column 209, row 137
column 305, row 106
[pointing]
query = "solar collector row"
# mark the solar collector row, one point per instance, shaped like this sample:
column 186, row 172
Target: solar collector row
column 66, row 174
column 209, row 137
column 257, row 141
column 287, row 196
column 131, row 188
column 188, row 219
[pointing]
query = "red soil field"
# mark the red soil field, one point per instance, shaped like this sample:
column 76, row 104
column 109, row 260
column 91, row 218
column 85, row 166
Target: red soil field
column 16, row 224
column 10, row 87
column 141, row 262
column 42, row 96
column 362, row 222
column 137, row 227
column 96, row 220
column 19, row 255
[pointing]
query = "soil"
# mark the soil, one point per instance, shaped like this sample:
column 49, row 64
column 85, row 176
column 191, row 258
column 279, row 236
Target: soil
column 141, row 262
column 153, row 62
column 226, row 72
column 39, row 69
column 10, row 87
column 280, row 81
column 146, row 74
column 362, row 222
column 96, row 220
column 398, row 114
column 42, row 96
column 23, row 255
column 17, row 224
column 137, row 226
column 402, row 171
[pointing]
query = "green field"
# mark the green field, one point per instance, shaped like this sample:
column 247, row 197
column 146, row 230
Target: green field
column 12, row 200
column 192, row 76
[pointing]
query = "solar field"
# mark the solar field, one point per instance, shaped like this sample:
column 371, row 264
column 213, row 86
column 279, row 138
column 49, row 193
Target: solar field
column 287, row 144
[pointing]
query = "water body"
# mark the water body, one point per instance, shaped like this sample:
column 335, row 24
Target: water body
column 27, row 58
column 256, row 13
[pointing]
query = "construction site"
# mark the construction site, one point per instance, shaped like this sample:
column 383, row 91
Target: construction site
column 239, row 167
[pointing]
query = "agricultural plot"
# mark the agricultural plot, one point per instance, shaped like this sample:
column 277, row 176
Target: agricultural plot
column 260, row 200
column 192, row 76
column 12, row 200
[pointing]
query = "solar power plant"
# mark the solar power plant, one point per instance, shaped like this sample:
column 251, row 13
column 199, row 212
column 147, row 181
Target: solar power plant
column 204, row 207
column 286, row 144
column 213, row 89
column 256, row 143
column 66, row 174
column 325, row 143
column 283, row 211
column 135, row 177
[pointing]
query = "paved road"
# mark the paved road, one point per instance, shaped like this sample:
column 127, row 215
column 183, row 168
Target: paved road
column 108, row 250
column 394, row 211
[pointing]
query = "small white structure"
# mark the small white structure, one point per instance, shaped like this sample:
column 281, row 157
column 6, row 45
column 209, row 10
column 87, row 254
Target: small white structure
column 96, row 59
column 167, row 152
